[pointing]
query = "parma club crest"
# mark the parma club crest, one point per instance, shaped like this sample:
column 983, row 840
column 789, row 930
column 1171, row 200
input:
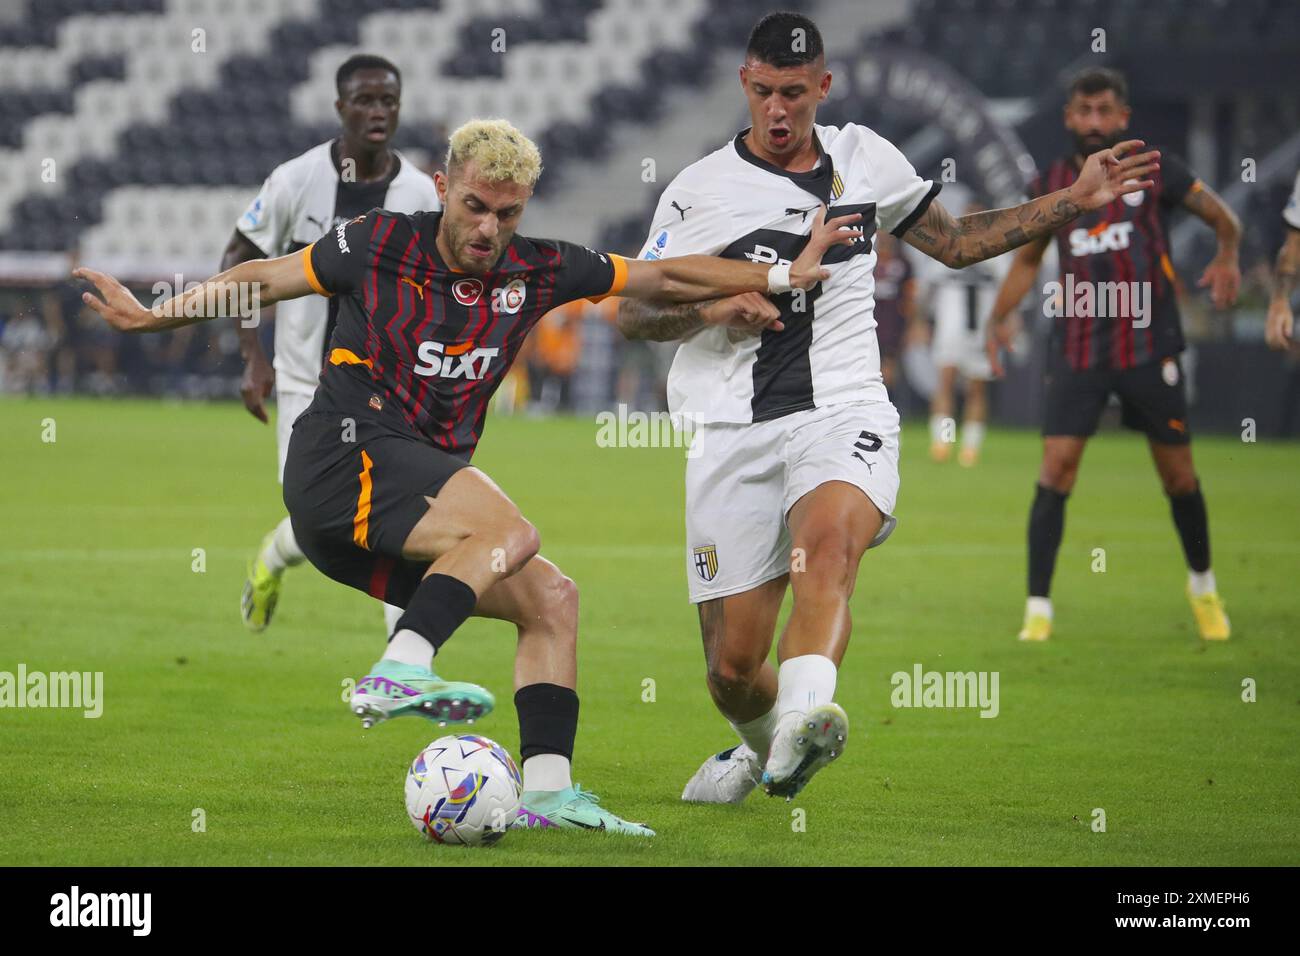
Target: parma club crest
column 837, row 186
column 706, row 561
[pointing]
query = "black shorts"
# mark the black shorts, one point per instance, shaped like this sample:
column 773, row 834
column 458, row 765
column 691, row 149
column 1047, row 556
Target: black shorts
column 1152, row 399
column 355, row 489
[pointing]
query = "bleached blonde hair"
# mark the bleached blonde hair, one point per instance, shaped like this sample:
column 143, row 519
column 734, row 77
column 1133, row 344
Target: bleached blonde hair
column 501, row 152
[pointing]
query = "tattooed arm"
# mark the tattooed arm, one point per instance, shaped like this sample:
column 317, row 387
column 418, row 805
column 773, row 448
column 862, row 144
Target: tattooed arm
column 958, row 243
column 1278, row 331
column 658, row 322
column 1223, row 274
column 661, row 323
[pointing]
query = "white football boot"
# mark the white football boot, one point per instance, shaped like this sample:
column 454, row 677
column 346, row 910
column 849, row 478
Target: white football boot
column 724, row 778
column 802, row 745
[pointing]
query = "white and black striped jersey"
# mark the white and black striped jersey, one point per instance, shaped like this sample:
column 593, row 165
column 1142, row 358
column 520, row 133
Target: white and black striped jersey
column 1291, row 212
column 735, row 205
column 966, row 296
column 301, row 201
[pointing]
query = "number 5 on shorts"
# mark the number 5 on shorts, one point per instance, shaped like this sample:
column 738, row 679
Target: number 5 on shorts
column 868, row 441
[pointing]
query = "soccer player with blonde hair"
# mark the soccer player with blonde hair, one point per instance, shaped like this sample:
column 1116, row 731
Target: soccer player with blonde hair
column 432, row 310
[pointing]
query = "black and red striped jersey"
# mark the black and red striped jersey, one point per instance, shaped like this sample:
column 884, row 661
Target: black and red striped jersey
column 423, row 346
column 1125, row 242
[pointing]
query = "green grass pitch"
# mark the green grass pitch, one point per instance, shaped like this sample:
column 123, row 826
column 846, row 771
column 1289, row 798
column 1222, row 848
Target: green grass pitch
column 1124, row 710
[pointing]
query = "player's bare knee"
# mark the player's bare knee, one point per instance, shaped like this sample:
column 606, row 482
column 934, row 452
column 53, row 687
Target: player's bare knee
column 730, row 675
column 725, row 682
column 1059, row 474
column 1180, row 483
column 518, row 541
column 558, row 599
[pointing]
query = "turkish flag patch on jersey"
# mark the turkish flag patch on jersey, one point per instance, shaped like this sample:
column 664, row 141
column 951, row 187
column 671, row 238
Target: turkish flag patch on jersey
column 467, row 291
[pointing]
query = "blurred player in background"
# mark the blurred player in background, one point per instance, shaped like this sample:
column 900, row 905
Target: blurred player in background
column 1133, row 354
column 552, row 357
column 797, row 474
column 301, row 201
column 895, row 304
column 960, row 301
column 433, row 308
column 1281, row 322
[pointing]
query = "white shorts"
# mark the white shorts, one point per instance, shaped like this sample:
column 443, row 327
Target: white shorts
column 288, row 406
column 742, row 481
column 956, row 344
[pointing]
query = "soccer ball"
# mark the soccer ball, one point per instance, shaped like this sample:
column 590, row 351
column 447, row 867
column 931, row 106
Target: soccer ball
column 463, row 789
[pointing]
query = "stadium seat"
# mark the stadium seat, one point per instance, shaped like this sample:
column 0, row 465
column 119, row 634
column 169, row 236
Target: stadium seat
column 116, row 119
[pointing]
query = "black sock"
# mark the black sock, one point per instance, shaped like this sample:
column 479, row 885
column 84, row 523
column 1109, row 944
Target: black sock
column 1193, row 528
column 1046, row 525
column 548, row 720
column 439, row 606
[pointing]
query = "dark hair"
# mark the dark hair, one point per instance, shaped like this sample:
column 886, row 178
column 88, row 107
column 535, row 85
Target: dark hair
column 1098, row 79
column 776, row 40
column 363, row 61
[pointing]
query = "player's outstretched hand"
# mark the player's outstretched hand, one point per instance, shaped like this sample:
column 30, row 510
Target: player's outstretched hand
column 1280, row 325
column 119, row 307
column 806, row 271
column 1001, row 335
column 1223, row 276
column 1110, row 173
column 750, row 312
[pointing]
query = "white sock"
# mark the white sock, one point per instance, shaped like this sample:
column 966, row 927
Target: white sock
column 391, row 616
column 547, row 772
column 1039, row 606
column 407, row 647
column 803, row 683
column 282, row 550
column 972, row 435
column 937, row 423
column 1201, row 582
column 757, row 733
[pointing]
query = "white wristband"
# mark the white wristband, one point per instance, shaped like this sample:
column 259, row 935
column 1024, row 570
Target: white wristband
column 778, row 279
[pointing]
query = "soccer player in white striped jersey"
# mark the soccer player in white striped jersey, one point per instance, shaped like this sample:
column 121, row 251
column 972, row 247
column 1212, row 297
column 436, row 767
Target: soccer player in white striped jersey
column 1281, row 322
column 795, row 473
column 302, row 200
column 960, row 302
